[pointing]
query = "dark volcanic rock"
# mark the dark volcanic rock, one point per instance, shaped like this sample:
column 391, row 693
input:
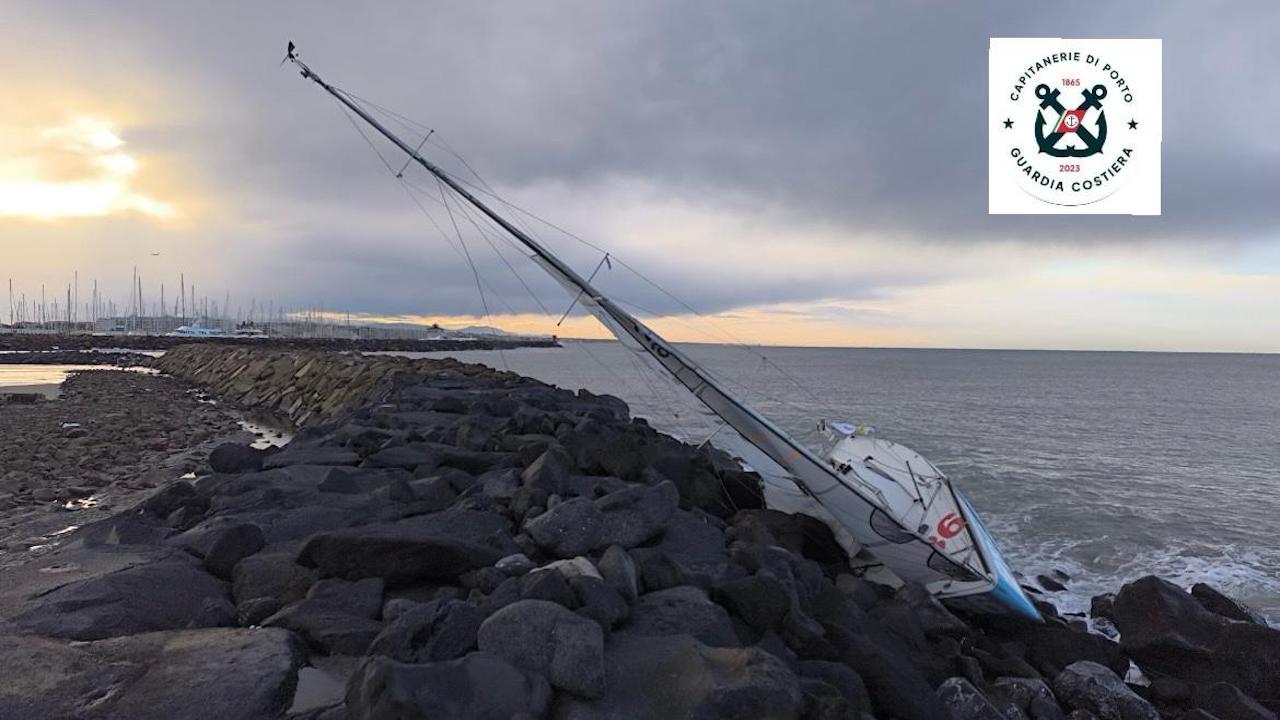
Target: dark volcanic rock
column 546, row 638
column 896, row 686
column 1169, row 631
column 625, row 518
column 1089, row 686
column 164, row 595
column 1050, row 584
column 273, row 575
column 1226, row 701
column 1051, row 648
column 327, row 628
column 402, row 457
column 431, row 632
column 571, row 528
column 599, row 601
column 231, row 545
column 1230, row 608
column 429, row 547
column 636, row 514
column 843, row 679
column 619, row 570
column 550, row 471
column 965, row 702
column 479, row 686
column 214, row 674
column 682, row 610
column 658, row 678
column 761, row 601
column 310, row 455
column 235, row 458
column 362, row 597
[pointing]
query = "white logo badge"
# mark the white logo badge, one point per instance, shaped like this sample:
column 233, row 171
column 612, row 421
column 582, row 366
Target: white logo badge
column 1074, row 126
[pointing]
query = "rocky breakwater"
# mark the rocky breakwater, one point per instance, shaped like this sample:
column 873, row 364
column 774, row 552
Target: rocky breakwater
column 301, row 387
column 472, row 544
column 75, row 357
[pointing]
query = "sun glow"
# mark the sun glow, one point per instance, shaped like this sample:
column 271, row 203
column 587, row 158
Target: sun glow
column 76, row 170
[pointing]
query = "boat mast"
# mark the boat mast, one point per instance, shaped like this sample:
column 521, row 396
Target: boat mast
column 444, row 177
column 857, row 503
column 779, row 446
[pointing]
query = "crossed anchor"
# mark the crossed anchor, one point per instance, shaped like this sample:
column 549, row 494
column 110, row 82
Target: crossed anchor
column 1093, row 144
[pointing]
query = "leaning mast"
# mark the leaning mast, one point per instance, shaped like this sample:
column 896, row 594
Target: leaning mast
column 856, row 503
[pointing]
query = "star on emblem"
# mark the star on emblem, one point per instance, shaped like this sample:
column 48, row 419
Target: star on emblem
column 1133, row 124
column 1008, row 123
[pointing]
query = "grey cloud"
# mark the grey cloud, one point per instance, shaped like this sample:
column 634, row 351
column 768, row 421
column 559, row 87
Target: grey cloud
column 865, row 116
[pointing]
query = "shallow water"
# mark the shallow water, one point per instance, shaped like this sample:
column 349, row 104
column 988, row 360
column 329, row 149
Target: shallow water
column 43, row 379
column 1108, row 466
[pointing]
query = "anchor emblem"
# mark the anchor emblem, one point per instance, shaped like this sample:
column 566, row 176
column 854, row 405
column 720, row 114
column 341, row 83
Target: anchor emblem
column 1071, row 122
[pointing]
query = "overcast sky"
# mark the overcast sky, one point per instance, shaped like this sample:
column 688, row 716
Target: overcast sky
column 804, row 173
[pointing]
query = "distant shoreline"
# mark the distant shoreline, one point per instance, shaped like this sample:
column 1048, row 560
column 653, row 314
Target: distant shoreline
column 39, row 342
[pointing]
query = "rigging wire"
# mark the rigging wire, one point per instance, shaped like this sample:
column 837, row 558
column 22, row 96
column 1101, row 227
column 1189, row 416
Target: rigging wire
column 724, row 335
column 789, row 489
column 487, row 189
column 405, row 185
column 479, row 286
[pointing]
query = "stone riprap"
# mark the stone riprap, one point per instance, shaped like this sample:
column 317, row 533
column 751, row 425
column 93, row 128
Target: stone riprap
column 465, row 543
column 303, row 387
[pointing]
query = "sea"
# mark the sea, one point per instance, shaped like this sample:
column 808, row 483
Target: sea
column 1106, row 466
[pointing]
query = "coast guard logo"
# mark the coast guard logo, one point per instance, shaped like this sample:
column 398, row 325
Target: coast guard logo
column 1074, row 126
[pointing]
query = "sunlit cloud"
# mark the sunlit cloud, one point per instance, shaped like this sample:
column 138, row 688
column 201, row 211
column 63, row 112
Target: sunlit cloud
column 76, row 170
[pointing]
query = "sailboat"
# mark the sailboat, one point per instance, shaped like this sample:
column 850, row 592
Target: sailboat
column 900, row 518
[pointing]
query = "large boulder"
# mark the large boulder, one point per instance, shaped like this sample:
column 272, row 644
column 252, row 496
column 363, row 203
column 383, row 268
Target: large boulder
column 843, row 679
column 297, row 454
column 1089, row 686
column 431, row 632
column 1052, row 647
column 675, row 676
column 897, row 687
column 626, row 517
column 234, row 458
column 682, row 610
column 1169, row 632
column 213, row 674
column 360, row 597
column 618, row 569
column 550, row 471
column 440, row 546
column 636, row 514
column 569, row 529
column 1216, row 601
column 762, row 601
column 166, row 595
column 231, row 545
column 1226, row 701
column 271, row 574
column 327, row 628
column 480, row 686
column 965, row 702
column 544, row 637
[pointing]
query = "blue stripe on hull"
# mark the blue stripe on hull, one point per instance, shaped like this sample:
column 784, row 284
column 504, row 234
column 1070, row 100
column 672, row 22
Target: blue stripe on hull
column 1007, row 596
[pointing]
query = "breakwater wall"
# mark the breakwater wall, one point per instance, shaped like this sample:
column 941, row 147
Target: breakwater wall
column 303, row 387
